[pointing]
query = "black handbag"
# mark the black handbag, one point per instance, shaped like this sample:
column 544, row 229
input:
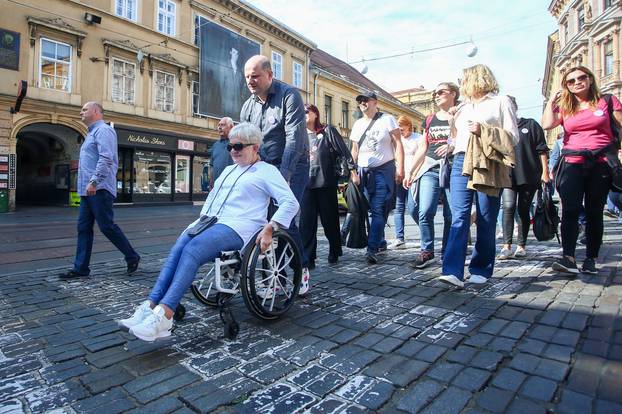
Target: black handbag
column 546, row 217
column 204, row 223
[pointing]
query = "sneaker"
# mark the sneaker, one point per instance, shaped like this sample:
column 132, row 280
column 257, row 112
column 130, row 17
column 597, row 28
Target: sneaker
column 565, row 265
column 424, row 259
column 140, row 314
column 371, row 258
column 505, row 254
column 452, row 280
column 70, row 275
column 304, row 282
column 477, row 279
column 268, row 292
column 155, row 326
column 520, row 252
column 397, row 244
column 610, row 213
column 589, row 266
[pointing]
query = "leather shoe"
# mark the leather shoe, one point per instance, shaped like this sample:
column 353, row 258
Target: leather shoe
column 333, row 258
column 70, row 275
column 132, row 267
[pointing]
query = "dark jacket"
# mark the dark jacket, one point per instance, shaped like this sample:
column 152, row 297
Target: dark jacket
column 531, row 143
column 323, row 153
column 358, row 207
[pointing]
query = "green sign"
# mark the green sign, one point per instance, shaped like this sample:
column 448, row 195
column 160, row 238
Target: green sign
column 9, row 49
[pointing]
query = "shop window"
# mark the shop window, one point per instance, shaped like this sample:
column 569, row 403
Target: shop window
column 298, row 75
column 153, row 172
column 277, row 65
column 182, row 174
column 126, row 9
column 345, row 114
column 608, row 57
column 166, row 17
column 328, row 110
column 55, row 65
column 200, row 175
column 164, row 91
column 123, row 81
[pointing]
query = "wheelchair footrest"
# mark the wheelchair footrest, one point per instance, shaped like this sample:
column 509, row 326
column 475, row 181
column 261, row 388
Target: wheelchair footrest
column 231, row 327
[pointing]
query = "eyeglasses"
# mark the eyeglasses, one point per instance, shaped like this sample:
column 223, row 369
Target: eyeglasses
column 571, row 82
column 362, row 100
column 238, row 146
column 440, row 92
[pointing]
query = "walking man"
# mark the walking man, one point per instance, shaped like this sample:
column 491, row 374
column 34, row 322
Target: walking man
column 97, row 173
column 219, row 156
column 378, row 151
column 278, row 110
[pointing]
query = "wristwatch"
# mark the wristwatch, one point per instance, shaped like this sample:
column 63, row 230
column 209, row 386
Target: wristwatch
column 275, row 226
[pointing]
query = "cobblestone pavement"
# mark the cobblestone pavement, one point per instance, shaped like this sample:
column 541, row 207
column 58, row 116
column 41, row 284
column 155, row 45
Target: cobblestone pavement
column 367, row 338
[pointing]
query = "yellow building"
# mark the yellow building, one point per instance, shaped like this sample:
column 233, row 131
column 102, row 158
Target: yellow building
column 420, row 99
column 551, row 81
column 140, row 59
column 334, row 86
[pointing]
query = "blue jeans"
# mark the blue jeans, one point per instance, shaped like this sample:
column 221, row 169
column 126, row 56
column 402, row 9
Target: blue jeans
column 483, row 257
column 429, row 194
column 99, row 208
column 185, row 258
column 404, row 202
column 298, row 183
column 377, row 202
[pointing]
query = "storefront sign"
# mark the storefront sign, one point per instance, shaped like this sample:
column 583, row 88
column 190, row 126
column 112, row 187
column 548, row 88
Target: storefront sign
column 9, row 49
column 145, row 139
column 185, row 145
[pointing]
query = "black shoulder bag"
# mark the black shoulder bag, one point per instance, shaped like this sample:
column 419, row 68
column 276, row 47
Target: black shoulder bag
column 371, row 124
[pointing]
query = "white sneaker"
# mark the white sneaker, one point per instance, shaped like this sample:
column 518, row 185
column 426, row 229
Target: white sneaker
column 396, row 244
column 155, row 326
column 477, row 279
column 505, row 254
column 140, row 314
column 520, row 252
column 304, row 282
column 452, row 280
column 268, row 292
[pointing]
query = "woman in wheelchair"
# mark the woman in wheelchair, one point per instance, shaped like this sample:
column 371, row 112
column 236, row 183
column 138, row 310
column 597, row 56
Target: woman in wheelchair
column 235, row 210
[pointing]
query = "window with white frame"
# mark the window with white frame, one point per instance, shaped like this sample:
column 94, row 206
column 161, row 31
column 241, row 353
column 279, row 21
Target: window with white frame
column 55, row 65
column 198, row 21
column 580, row 18
column 328, row 109
column 126, row 8
column 297, row 80
column 164, row 91
column 345, row 114
column 608, row 57
column 123, row 81
column 166, row 17
column 195, row 98
column 277, row 65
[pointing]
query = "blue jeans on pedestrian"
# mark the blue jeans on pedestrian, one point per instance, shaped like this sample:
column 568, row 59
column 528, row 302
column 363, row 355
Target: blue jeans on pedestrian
column 404, row 203
column 185, row 258
column 377, row 203
column 98, row 208
column 429, row 195
column 298, row 183
column 483, row 257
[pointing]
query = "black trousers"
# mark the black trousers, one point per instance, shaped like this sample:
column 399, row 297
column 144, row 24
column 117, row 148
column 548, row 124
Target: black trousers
column 578, row 184
column 322, row 201
column 520, row 196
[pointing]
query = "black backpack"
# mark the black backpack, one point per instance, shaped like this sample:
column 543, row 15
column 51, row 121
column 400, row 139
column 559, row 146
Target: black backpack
column 546, row 217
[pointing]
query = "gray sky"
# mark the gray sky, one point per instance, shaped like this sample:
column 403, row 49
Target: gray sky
column 511, row 38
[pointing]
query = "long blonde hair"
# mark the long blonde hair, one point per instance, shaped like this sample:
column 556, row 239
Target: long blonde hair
column 478, row 80
column 568, row 103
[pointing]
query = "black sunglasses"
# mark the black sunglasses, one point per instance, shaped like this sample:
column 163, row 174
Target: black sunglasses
column 581, row 78
column 237, row 146
column 439, row 92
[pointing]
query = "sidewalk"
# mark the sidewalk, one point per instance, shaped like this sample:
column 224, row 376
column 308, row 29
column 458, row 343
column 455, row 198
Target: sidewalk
column 379, row 338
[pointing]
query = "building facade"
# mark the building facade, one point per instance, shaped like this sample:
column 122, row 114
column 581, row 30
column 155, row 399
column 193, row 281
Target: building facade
column 419, row 99
column 140, row 59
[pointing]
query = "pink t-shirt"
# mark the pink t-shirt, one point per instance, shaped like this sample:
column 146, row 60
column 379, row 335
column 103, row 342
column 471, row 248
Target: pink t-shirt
column 589, row 129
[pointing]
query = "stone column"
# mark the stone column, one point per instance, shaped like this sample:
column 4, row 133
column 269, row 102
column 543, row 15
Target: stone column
column 6, row 146
column 616, row 54
column 598, row 61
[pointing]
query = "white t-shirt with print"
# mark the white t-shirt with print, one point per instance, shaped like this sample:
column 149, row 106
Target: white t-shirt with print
column 377, row 149
column 410, row 145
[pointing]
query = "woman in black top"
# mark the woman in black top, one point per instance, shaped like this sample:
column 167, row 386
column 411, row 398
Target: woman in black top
column 325, row 144
column 531, row 170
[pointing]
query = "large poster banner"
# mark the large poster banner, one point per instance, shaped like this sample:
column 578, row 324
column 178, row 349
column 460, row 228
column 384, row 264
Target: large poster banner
column 222, row 88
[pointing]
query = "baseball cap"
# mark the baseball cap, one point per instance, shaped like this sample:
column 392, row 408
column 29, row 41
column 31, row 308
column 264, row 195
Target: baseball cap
column 366, row 95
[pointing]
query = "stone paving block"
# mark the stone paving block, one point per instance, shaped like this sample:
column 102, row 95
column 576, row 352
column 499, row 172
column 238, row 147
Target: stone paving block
column 369, row 340
column 325, row 383
column 479, row 340
column 295, row 402
column 64, row 353
column 334, row 405
column 225, row 389
column 431, row 353
column 574, row 403
column 494, row 399
column 63, row 371
column 388, row 344
column 349, row 359
column 411, row 348
column 532, row 346
column 552, row 317
column 539, row 388
column 161, row 406
column 515, row 330
column 487, row 360
column 505, row 345
column 18, row 366
column 420, row 394
column 554, row 370
column 366, row 391
column 439, row 337
column 444, row 371
column 509, row 379
column 108, row 356
column 104, row 379
column 575, row 321
column 52, row 399
column 558, row 352
column 597, row 348
column 396, row 369
column 611, row 382
column 542, row 332
column 494, row 326
column 103, row 342
column 608, row 407
column 462, row 354
column 452, row 400
column 523, row 406
column 328, row 331
column 471, row 379
column 525, row 363
column 264, row 398
column 146, row 381
column 110, row 402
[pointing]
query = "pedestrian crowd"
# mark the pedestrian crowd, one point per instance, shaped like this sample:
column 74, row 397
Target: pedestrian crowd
column 281, row 166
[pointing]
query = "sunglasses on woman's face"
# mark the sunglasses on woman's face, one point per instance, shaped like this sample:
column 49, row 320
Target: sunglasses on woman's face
column 439, row 92
column 237, row 146
column 572, row 81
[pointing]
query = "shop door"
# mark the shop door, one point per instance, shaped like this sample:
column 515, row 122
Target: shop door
column 125, row 176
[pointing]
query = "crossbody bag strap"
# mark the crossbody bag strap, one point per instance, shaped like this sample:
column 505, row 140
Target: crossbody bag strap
column 230, row 190
column 371, row 124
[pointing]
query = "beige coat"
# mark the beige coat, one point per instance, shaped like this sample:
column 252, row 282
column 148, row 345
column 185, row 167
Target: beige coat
column 488, row 161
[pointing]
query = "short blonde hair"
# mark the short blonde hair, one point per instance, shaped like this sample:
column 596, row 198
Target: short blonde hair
column 247, row 133
column 405, row 121
column 477, row 81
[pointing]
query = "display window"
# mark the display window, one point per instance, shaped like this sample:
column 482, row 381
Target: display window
column 153, row 172
column 200, row 175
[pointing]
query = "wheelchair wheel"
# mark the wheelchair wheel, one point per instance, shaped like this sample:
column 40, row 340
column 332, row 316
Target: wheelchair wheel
column 270, row 281
column 204, row 289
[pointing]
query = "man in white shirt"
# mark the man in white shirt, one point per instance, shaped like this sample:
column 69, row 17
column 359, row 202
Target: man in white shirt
column 377, row 149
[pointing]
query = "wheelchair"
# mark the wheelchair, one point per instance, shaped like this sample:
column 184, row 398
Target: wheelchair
column 269, row 282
